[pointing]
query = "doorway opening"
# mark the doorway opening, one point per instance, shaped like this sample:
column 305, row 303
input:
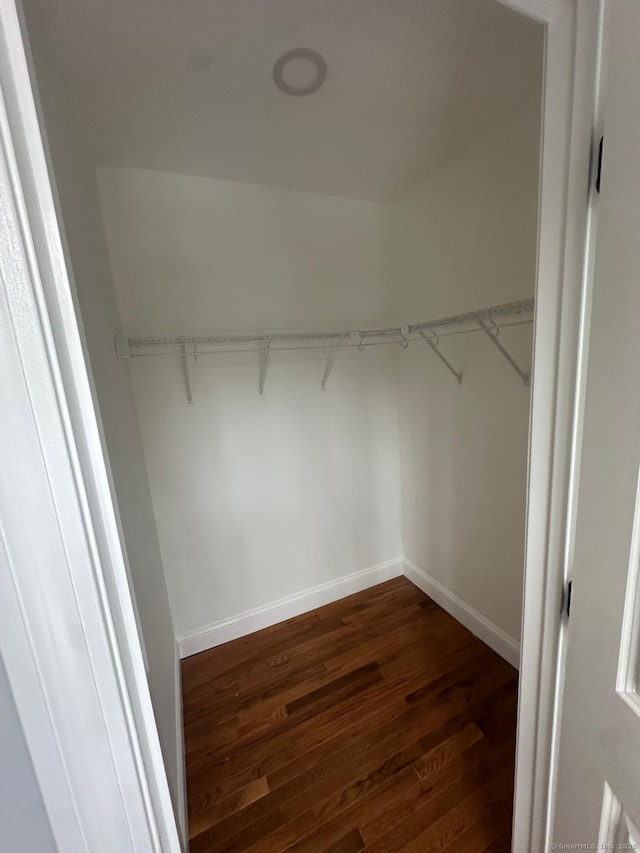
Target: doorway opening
column 337, row 274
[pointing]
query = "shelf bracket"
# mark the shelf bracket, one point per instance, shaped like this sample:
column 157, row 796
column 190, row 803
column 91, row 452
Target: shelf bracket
column 264, row 361
column 432, row 341
column 122, row 347
column 186, row 374
column 491, row 330
column 330, row 361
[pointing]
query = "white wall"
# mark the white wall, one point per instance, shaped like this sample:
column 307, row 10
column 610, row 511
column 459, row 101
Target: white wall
column 261, row 497
column 257, row 497
column 77, row 188
column 195, row 254
column 24, row 824
column 463, row 240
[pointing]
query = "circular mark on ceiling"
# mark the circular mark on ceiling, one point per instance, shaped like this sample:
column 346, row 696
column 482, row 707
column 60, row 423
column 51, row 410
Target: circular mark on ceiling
column 300, row 71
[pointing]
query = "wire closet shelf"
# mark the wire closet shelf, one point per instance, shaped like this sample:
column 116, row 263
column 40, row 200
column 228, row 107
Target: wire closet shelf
column 488, row 320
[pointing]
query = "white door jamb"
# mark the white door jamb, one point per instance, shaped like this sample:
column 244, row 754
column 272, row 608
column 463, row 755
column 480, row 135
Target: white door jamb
column 68, row 634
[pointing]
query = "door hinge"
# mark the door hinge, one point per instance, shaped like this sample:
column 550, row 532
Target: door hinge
column 599, row 169
column 565, row 606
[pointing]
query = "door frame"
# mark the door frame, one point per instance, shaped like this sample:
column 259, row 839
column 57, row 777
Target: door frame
column 568, row 160
column 68, row 633
column 53, row 395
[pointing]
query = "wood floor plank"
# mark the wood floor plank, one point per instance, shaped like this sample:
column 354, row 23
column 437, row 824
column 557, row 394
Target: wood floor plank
column 406, row 723
column 204, row 812
column 334, row 828
column 386, row 742
column 240, row 654
column 303, row 812
column 311, row 704
column 377, row 723
column 267, row 677
column 342, row 687
column 404, row 785
column 274, row 748
column 220, row 784
column 481, row 836
column 362, row 653
column 452, row 746
column 302, row 832
column 349, row 843
column 445, row 832
column 389, row 832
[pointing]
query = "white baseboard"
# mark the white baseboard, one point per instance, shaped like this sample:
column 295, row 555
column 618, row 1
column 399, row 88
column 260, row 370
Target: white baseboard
column 285, row 608
column 483, row 628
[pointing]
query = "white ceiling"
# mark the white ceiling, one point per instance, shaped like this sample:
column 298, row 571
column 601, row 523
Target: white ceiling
column 185, row 85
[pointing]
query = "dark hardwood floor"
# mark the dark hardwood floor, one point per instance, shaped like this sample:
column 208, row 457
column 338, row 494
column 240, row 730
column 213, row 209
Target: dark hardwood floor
column 376, row 723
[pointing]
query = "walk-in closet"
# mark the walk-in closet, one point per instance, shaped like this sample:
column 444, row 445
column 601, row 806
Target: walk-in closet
column 303, row 237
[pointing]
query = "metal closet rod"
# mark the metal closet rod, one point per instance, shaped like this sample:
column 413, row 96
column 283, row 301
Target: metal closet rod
column 318, row 345
column 488, row 320
column 522, row 306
